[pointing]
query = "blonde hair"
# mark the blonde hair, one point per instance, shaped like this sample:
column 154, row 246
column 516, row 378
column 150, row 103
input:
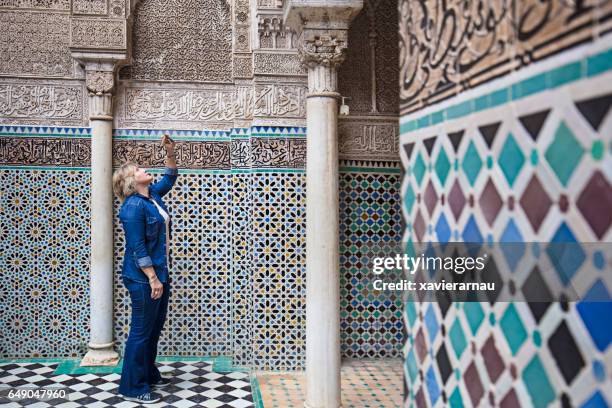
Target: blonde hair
column 124, row 181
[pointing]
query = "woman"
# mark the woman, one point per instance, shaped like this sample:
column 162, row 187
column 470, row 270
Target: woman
column 146, row 224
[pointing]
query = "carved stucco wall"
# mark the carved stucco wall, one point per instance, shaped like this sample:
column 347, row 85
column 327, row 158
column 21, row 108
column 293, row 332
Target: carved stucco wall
column 224, row 79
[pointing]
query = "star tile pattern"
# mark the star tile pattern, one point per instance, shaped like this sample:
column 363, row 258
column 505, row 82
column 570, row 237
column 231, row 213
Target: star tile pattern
column 237, row 251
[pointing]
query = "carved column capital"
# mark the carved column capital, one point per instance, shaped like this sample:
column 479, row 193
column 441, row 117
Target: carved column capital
column 99, row 82
column 326, row 50
column 323, row 32
column 100, row 87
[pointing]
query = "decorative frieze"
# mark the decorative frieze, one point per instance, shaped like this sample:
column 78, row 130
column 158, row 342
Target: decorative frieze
column 361, row 140
column 461, row 45
column 89, row 32
column 43, row 151
column 189, row 154
column 280, row 101
column 278, row 63
column 40, row 101
column 94, row 7
column 51, row 5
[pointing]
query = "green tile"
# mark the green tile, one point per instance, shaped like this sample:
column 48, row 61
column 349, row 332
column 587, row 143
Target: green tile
column 597, row 150
column 538, row 386
column 409, row 199
column 74, row 367
column 407, row 127
column 455, row 399
column 513, row 329
column 459, row 110
column 437, row 117
column 481, row 103
column 564, row 153
column 474, row 314
column 499, row 97
column 511, row 159
column 411, row 365
column 457, row 338
column 411, row 312
column 529, row 86
column 442, row 166
column 419, row 169
column 565, row 74
column 472, row 163
column 423, row 122
column 599, row 63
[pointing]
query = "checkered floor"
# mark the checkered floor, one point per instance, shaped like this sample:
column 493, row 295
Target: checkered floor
column 195, row 384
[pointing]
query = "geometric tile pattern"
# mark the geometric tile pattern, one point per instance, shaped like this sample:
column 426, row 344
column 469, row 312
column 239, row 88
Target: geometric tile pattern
column 44, row 242
column 194, row 384
column 237, row 251
column 543, row 174
column 365, row 383
column 370, row 217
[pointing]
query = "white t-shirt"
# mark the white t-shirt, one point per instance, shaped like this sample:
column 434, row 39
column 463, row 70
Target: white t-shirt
column 167, row 221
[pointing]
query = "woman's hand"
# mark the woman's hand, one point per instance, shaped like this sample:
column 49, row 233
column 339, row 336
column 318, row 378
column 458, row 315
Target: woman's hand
column 168, row 144
column 157, row 288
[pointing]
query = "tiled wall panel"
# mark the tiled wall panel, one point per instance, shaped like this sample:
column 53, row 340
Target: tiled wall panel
column 526, row 159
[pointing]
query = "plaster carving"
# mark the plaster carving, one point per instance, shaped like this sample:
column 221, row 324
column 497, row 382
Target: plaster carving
column 36, row 4
column 98, row 33
column 99, row 82
column 243, row 66
column 274, row 34
column 241, row 39
column 117, row 8
column 40, row 100
column 270, row 4
column 459, row 45
column 278, row 64
column 280, row 101
column 184, row 107
column 47, row 38
column 194, row 45
column 323, row 50
column 89, row 7
column 368, row 141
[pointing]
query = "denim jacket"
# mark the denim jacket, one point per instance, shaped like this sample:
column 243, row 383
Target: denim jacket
column 145, row 231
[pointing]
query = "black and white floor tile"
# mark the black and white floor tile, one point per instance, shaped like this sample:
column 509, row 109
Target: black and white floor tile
column 194, row 384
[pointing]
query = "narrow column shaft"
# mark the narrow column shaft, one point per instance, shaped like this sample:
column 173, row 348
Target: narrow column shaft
column 101, row 350
column 322, row 243
column 101, row 286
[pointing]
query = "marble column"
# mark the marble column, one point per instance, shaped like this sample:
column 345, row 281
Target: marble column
column 322, row 29
column 322, row 225
column 100, row 86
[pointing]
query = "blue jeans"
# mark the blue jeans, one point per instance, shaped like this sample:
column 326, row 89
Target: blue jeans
column 148, row 317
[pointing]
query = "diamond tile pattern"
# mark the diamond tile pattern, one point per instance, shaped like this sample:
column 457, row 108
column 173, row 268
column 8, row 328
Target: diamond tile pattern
column 547, row 179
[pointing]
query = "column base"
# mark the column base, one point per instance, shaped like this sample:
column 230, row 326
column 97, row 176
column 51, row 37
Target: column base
column 100, row 355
